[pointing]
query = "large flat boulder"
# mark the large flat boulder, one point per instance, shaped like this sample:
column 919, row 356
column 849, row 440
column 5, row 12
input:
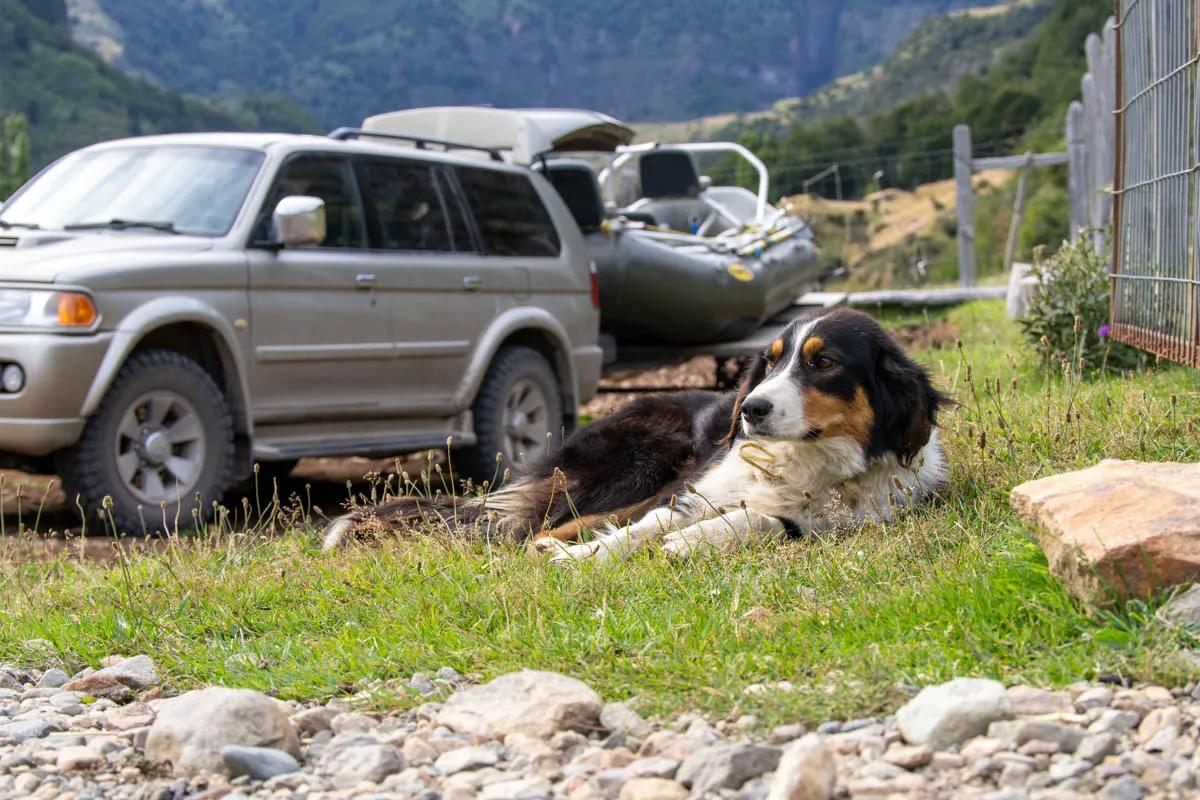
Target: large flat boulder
column 1118, row 529
column 529, row 702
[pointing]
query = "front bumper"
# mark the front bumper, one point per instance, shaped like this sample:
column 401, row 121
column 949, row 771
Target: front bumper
column 47, row 414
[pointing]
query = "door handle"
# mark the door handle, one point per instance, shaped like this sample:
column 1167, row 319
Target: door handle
column 471, row 283
column 364, row 280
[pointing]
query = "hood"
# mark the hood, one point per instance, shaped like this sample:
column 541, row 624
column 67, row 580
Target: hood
column 524, row 132
column 47, row 256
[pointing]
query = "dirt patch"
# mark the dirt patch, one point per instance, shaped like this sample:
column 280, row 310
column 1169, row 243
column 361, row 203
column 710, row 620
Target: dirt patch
column 24, row 494
column 698, row 373
column 936, row 335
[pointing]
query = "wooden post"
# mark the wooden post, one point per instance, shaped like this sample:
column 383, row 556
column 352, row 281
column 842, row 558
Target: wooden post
column 1077, row 169
column 1018, row 212
column 965, row 197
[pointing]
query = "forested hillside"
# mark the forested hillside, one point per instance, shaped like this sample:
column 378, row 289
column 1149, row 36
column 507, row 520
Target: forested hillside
column 70, row 97
column 344, row 59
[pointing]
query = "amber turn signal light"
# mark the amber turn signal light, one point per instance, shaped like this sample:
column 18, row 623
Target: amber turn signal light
column 76, row 310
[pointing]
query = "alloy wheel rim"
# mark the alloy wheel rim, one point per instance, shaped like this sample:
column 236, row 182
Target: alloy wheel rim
column 160, row 447
column 526, row 423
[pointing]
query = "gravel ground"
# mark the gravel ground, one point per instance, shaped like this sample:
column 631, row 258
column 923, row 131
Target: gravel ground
column 528, row 735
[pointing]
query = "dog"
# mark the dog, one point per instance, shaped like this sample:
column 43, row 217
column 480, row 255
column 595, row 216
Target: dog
column 833, row 425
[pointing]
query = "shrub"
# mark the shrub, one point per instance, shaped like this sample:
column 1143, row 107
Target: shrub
column 1067, row 318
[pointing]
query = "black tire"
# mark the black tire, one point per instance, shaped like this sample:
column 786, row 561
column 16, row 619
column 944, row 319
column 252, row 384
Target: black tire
column 513, row 369
column 90, row 471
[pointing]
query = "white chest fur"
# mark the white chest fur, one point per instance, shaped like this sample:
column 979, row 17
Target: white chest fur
column 815, row 485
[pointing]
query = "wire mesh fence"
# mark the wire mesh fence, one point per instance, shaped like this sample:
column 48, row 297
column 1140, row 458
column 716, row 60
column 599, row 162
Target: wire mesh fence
column 1156, row 272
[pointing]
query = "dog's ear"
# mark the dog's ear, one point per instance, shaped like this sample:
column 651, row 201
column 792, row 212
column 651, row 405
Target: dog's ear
column 906, row 404
column 755, row 372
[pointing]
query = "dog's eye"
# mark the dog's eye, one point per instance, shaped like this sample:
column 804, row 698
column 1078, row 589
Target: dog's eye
column 824, row 362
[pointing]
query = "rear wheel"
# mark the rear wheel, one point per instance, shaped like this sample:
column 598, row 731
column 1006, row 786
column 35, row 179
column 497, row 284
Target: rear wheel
column 159, row 448
column 518, row 415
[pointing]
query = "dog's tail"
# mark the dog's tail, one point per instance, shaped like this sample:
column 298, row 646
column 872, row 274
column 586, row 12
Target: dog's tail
column 454, row 514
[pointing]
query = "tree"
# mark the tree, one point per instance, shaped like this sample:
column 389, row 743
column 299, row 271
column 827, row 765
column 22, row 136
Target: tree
column 14, row 154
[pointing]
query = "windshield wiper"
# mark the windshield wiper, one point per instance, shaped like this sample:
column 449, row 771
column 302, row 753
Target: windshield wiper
column 121, row 225
column 30, row 225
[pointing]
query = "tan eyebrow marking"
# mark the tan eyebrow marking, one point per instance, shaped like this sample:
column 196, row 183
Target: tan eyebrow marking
column 776, row 349
column 812, row 346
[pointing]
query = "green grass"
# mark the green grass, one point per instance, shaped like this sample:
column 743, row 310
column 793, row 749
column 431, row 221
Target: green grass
column 956, row 588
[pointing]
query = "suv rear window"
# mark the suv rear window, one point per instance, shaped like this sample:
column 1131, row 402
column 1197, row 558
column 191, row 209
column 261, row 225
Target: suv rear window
column 405, row 207
column 511, row 217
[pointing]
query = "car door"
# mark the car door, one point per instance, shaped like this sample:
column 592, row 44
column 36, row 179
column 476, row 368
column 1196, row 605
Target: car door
column 320, row 333
column 440, row 293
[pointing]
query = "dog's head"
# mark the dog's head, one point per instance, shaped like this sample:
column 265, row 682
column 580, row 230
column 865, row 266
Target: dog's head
column 838, row 374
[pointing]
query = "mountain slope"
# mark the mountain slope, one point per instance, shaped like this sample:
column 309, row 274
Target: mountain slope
column 936, row 55
column 343, row 59
column 71, row 97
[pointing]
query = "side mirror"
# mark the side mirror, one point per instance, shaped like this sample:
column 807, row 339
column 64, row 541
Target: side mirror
column 705, row 182
column 299, row 221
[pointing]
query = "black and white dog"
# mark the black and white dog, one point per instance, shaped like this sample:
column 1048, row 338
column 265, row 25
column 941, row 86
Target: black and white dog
column 833, row 425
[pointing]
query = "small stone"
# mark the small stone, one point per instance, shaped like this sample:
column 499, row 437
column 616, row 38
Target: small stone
column 466, row 758
column 944, row 715
column 947, row 761
column 420, row 683
column 53, row 679
column 448, row 674
column 191, row 730
column 27, row 729
column 620, row 718
column 257, row 763
column 1037, row 747
column 981, row 747
column 1115, row 721
column 653, row 767
column 537, row 703
column 806, row 771
column 1123, row 788
column 1014, row 775
column 26, row 783
column 1156, row 721
column 1007, row 794
column 312, row 721
column 531, row 788
column 417, row 751
column 787, row 733
column 78, row 759
column 908, row 756
column 361, row 762
column 726, row 766
column 1018, row 732
column 653, row 789
column 829, row 728
column 100, row 684
column 352, row 722
column 126, row 718
column 1063, row 770
column 1028, row 701
column 1097, row 697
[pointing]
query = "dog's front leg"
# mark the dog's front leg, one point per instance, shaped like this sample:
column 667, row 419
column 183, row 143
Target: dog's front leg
column 618, row 543
column 720, row 534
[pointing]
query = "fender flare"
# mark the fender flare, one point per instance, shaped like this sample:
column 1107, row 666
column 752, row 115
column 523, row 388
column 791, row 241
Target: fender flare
column 159, row 313
column 518, row 320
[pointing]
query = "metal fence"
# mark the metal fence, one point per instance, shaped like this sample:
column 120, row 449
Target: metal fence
column 1156, row 271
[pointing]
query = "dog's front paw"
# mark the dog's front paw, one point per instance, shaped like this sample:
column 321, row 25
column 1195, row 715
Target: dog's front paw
column 569, row 555
column 686, row 543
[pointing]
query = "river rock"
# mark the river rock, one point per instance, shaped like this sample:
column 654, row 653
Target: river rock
column 653, row 789
column 952, row 712
column 726, row 766
column 532, row 702
column 806, row 771
column 1118, row 529
column 257, row 763
column 191, row 730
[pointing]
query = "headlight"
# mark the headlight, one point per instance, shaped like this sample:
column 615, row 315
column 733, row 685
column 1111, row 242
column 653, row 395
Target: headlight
column 37, row 308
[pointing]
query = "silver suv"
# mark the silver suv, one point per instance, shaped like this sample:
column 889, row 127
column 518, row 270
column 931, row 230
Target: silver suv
column 176, row 308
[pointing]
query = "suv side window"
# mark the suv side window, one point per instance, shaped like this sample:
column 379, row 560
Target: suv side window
column 511, row 217
column 331, row 179
column 405, row 206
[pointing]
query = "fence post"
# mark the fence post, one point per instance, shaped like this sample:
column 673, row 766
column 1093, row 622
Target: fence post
column 965, row 197
column 1077, row 169
column 1018, row 213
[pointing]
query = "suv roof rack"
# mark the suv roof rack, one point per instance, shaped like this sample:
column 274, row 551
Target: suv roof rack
column 420, row 141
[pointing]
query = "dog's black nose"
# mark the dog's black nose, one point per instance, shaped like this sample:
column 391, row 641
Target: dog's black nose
column 756, row 410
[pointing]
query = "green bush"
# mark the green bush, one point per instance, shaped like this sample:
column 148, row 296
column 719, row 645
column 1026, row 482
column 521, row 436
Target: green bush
column 1067, row 318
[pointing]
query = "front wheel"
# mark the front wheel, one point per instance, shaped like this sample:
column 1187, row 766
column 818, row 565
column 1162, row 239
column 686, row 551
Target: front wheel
column 518, row 415
column 158, row 451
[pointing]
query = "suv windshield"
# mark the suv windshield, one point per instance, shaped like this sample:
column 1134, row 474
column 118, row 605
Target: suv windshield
column 182, row 189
